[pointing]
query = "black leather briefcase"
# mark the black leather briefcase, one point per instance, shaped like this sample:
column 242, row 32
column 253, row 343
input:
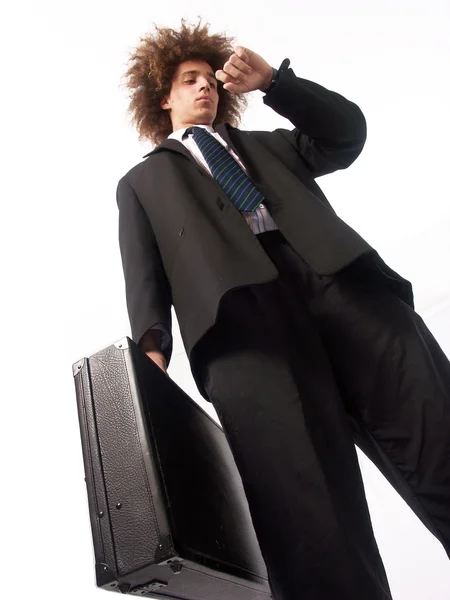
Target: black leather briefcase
column 168, row 512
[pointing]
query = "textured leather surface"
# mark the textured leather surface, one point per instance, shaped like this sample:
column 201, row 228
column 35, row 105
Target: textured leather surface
column 95, row 483
column 134, row 525
column 157, row 464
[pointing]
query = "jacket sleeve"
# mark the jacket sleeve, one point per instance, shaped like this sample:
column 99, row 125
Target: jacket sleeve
column 330, row 131
column 148, row 292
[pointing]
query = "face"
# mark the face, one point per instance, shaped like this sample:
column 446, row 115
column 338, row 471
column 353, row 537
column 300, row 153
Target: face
column 192, row 80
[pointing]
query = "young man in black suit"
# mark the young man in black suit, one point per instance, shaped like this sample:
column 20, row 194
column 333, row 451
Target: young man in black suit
column 300, row 335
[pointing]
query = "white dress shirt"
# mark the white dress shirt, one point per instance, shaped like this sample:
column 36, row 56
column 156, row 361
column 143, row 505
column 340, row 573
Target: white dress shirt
column 258, row 220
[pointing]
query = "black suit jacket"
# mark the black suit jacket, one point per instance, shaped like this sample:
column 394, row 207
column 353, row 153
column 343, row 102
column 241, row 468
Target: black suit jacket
column 184, row 243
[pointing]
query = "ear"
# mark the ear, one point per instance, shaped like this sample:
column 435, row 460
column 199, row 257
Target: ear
column 164, row 104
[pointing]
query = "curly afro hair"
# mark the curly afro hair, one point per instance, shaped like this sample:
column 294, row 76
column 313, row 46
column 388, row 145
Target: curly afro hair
column 152, row 66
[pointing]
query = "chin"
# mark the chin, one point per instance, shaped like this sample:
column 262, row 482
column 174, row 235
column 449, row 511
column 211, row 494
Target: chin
column 209, row 115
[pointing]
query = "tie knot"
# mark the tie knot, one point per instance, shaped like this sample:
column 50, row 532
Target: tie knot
column 194, row 129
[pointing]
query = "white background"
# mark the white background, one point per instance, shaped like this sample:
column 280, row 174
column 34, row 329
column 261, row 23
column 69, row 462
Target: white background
column 65, row 143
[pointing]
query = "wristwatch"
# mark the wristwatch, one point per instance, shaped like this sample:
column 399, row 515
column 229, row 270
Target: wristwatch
column 276, row 74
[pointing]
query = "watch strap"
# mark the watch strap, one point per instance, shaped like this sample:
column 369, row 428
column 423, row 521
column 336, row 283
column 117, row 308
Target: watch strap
column 276, row 74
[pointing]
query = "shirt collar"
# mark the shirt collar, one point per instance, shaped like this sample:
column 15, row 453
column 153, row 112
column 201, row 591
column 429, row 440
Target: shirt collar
column 179, row 133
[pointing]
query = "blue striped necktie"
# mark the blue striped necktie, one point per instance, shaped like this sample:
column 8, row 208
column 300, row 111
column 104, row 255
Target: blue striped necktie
column 227, row 171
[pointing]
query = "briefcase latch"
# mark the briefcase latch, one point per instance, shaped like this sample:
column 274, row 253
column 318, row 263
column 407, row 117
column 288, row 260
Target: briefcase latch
column 149, row 588
column 122, row 343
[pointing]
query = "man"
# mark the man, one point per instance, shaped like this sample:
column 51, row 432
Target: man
column 300, row 335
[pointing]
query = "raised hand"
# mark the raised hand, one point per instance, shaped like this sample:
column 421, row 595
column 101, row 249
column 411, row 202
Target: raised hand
column 245, row 71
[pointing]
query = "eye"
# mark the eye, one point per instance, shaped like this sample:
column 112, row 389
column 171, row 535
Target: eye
column 193, row 81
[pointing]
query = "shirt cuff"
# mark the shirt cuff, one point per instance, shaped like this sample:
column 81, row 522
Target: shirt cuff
column 165, row 335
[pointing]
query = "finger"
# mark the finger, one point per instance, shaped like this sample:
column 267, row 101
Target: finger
column 225, row 78
column 240, row 64
column 230, row 69
column 236, row 88
column 242, row 53
column 229, row 83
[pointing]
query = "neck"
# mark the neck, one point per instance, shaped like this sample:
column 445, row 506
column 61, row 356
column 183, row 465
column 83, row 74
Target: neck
column 175, row 126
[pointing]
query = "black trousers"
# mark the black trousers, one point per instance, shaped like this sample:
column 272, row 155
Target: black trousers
column 299, row 370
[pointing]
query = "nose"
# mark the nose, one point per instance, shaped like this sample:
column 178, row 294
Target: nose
column 205, row 85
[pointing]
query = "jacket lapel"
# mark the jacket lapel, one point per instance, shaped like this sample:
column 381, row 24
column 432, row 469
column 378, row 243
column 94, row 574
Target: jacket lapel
column 223, row 129
column 176, row 146
column 173, row 145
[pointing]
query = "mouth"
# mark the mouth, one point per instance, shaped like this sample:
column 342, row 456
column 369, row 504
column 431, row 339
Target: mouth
column 203, row 100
